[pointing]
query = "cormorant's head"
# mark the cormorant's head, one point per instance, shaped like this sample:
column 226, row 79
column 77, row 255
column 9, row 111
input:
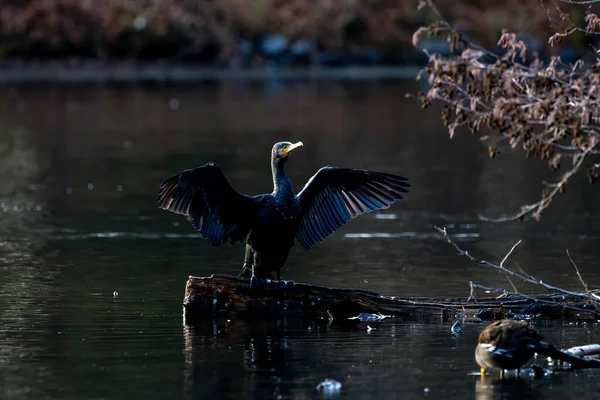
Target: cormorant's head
column 282, row 150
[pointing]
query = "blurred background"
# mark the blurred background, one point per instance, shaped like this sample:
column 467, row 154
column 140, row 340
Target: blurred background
column 265, row 33
column 101, row 101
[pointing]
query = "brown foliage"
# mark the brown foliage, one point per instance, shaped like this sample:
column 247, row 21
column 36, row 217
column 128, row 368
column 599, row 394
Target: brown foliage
column 550, row 111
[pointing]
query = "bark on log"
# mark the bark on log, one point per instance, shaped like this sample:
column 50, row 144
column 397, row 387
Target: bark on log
column 228, row 295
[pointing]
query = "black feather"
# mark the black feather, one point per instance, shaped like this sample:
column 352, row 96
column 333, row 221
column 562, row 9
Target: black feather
column 335, row 195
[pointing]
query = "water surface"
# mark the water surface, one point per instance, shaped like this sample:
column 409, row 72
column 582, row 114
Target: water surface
column 78, row 175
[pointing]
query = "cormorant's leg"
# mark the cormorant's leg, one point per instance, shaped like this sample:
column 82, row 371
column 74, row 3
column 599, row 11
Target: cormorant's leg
column 247, row 267
column 255, row 281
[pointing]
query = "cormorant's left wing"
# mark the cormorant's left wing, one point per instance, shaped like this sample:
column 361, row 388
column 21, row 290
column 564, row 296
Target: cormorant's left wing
column 333, row 196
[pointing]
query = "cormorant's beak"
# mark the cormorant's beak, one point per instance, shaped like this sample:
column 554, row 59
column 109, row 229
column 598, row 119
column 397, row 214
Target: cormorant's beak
column 291, row 147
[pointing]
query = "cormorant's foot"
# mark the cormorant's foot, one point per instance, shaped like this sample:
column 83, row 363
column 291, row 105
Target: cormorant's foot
column 283, row 285
column 256, row 282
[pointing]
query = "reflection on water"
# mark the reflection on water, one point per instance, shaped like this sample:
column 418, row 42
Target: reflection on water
column 496, row 388
column 267, row 359
column 78, row 220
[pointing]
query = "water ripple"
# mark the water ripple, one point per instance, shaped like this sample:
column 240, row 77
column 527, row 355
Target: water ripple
column 417, row 235
column 116, row 235
column 164, row 235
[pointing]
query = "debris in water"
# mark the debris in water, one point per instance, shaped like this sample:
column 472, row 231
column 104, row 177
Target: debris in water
column 115, row 294
column 329, row 386
column 457, row 327
column 369, row 329
column 538, row 372
column 330, row 317
column 174, row 104
column 366, row 317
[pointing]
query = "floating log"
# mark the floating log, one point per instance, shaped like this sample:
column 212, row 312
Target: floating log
column 226, row 295
column 592, row 350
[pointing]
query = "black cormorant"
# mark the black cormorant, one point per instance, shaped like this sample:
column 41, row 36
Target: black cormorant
column 269, row 223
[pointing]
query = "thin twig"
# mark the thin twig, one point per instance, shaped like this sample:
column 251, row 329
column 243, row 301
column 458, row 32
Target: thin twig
column 509, row 253
column 472, row 294
column 585, row 286
column 519, row 295
column 539, row 206
column 512, row 284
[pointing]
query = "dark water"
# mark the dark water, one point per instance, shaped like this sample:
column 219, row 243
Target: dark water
column 79, row 167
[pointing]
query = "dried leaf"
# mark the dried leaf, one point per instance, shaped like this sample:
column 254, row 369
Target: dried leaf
column 493, row 151
column 473, row 103
column 416, row 37
column 451, row 128
column 554, row 162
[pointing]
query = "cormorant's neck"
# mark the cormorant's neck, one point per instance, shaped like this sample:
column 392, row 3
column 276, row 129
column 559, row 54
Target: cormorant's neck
column 281, row 183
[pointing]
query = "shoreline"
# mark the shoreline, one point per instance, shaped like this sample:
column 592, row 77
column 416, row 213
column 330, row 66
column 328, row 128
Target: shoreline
column 163, row 73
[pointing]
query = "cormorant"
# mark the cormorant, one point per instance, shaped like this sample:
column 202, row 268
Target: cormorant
column 270, row 222
column 507, row 344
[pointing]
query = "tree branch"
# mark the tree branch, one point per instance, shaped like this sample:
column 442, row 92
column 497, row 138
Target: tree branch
column 508, row 272
column 539, row 206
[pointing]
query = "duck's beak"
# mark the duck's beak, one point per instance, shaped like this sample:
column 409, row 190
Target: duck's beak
column 292, row 147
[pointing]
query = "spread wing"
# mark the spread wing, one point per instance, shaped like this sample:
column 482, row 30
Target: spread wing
column 333, row 196
column 217, row 211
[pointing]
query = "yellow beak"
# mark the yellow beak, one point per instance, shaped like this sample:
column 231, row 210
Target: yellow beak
column 292, row 147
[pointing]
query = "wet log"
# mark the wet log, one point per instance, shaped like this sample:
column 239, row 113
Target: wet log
column 225, row 295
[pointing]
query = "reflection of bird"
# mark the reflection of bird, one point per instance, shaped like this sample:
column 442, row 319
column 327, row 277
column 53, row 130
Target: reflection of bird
column 270, row 222
column 506, row 344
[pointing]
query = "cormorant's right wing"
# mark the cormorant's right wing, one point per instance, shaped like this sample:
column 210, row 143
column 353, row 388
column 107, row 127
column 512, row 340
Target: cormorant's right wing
column 217, row 211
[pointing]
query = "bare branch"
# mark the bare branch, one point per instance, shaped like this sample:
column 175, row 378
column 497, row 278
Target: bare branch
column 504, row 293
column 509, row 253
column 509, row 272
column 539, row 206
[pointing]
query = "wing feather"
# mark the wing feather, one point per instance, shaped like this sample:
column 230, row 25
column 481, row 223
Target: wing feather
column 217, row 211
column 333, row 196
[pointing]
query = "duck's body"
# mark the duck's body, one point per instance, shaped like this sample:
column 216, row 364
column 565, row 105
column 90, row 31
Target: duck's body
column 506, row 345
column 269, row 223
